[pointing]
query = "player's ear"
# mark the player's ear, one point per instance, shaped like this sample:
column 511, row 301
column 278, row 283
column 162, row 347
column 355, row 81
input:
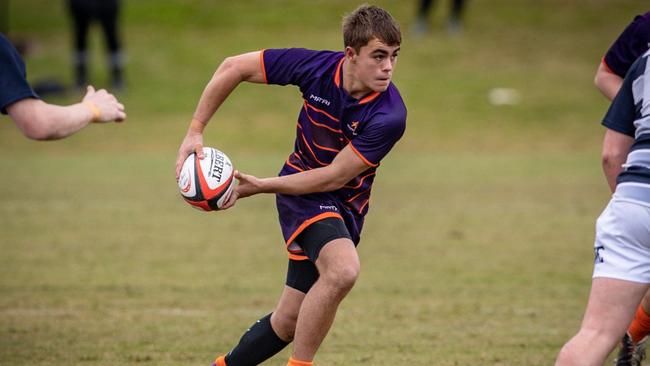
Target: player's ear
column 350, row 52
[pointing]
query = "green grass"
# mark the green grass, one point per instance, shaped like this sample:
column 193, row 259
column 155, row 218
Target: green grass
column 477, row 247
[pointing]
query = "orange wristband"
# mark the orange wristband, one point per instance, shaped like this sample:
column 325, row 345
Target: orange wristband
column 93, row 108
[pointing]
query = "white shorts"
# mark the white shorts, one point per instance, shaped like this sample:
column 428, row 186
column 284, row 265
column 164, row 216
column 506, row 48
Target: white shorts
column 622, row 246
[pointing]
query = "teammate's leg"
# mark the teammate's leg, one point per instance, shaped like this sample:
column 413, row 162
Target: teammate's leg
column 338, row 265
column 610, row 309
column 640, row 326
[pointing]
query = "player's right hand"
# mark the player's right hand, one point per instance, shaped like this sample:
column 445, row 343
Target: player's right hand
column 193, row 142
column 109, row 108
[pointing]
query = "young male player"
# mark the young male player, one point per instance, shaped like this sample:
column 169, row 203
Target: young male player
column 633, row 42
column 43, row 121
column 350, row 118
column 622, row 247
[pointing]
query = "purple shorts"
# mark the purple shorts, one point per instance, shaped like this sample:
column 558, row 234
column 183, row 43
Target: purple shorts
column 298, row 212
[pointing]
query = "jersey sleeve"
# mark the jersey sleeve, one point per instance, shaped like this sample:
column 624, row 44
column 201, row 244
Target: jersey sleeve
column 632, row 43
column 13, row 85
column 379, row 136
column 289, row 66
column 622, row 112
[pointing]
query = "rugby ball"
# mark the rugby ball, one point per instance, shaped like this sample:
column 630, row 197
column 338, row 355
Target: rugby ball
column 207, row 183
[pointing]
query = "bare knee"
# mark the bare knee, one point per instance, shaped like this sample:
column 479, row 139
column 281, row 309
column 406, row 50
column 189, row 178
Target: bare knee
column 342, row 278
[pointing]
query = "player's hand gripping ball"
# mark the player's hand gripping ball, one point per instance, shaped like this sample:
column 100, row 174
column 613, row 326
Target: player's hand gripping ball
column 207, row 183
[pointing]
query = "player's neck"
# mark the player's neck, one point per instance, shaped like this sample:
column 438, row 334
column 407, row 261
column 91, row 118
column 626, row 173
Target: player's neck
column 351, row 84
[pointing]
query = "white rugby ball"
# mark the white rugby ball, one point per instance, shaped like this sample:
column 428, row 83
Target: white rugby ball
column 207, row 183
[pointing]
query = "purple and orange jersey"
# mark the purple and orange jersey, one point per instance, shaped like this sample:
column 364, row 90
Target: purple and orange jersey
column 328, row 121
column 633, row 42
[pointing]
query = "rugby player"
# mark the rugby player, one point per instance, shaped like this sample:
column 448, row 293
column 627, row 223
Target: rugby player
column 350, row 117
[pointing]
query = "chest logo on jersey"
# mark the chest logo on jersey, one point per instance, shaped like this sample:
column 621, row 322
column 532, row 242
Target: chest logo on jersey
column 353, row 127
column 318, row 99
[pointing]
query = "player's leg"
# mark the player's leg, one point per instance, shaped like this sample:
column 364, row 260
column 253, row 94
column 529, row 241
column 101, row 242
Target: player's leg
column 610, row 309
column 272, row 333
column 80, row 24
column 109, row 20
column 338, row 265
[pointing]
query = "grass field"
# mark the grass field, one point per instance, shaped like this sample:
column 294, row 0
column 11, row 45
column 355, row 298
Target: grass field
column 478, row 246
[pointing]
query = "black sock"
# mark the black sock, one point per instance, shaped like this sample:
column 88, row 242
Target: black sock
column 256, row 345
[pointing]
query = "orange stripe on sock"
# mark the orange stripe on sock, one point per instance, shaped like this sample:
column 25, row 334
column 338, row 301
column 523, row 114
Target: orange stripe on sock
column 640, row 326
column 294, row 362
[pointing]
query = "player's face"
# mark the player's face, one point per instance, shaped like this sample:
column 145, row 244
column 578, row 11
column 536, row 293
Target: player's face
column 374, row 64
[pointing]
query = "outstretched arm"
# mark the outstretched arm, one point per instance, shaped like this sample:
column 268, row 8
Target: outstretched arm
column 232, row 71
column 42, row 121
column 345, row 166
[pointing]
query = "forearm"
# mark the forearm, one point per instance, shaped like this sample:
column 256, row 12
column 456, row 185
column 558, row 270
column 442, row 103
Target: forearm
column 223, row 82
column 231, row 72
column 310, row 181
column 42, row 121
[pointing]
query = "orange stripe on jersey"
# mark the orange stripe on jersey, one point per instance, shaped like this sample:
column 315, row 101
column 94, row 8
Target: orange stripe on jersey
column 262, row 65
column 293, row 166
column 337, row 74
column 357, row 195
column 320, row 124
column 363, row 158
column 311, row 151
column 364, row 205
column 320, row 111
column 361, row 181
column 369, row 98
column 308, row 222
column 325, row 148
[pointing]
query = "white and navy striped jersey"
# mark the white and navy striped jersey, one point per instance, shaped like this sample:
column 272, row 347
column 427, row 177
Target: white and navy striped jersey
column 629, row 114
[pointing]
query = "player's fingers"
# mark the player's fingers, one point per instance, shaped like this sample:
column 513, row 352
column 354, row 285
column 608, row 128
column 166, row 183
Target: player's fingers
column 90, row 90
column 198, row 149
column 121, row 116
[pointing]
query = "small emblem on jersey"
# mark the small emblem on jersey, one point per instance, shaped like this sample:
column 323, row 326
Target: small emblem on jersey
column 328, row 207
column 597, row 257
column 318, row 99
column 353, row 127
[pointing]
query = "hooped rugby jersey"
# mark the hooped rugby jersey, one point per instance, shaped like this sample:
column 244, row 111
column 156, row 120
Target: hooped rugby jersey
column 13, row 85
column 330, row 118
column 629, row 114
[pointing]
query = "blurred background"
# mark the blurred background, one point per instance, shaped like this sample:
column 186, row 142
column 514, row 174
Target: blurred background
column 478, row 245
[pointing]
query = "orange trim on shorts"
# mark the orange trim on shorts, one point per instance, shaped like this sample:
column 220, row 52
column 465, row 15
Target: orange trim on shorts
column 363, row 158
column 337, row 74
column 308, row 222
column 369, row 98
column 263, row 68
column 297, row 257
column 321, row 111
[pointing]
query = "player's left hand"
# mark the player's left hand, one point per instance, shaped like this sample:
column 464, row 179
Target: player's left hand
column 248, row 186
